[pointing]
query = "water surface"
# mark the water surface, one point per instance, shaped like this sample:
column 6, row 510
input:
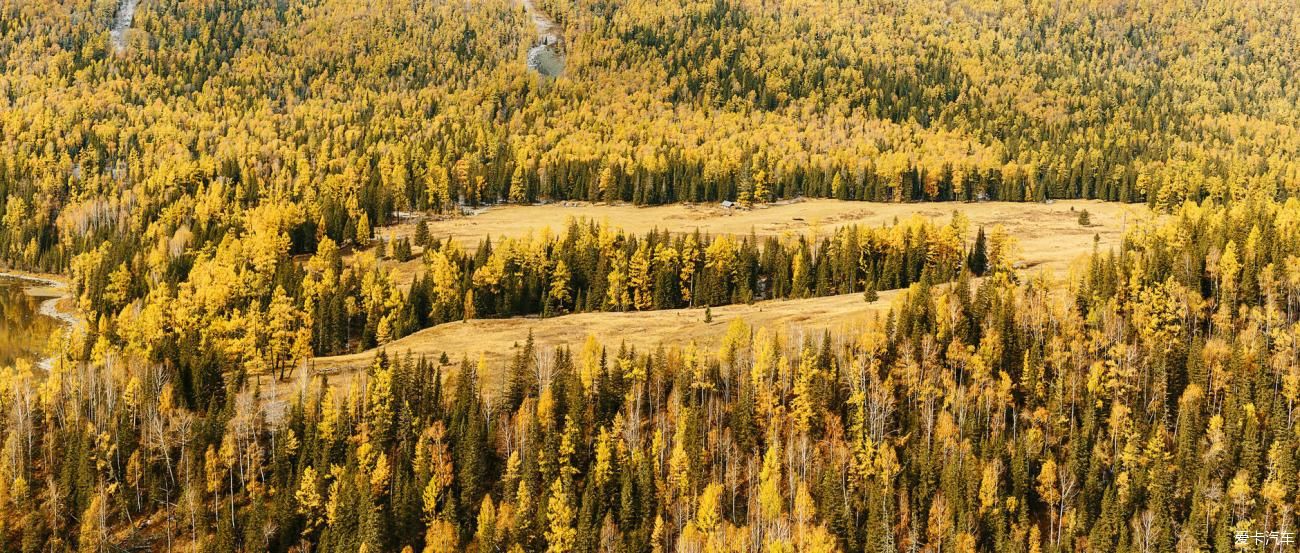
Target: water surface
column 547, row 54
column 25, row 330
column 121, row 23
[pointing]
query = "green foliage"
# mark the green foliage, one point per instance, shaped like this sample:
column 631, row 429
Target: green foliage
column 212, row 190
column 978, row 259
column 663, row 102
column 1040, row 421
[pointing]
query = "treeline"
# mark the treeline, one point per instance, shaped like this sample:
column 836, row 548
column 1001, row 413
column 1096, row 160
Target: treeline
column 249, row 304
column 1148, row 410
column 593, row 267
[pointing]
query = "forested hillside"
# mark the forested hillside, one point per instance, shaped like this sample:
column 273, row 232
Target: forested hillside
column 215, row 187
column 353, row 109
column 1148, row 409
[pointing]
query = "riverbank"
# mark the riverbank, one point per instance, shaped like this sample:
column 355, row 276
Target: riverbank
column 57, row 288
column 121, row 24
column 58, row 304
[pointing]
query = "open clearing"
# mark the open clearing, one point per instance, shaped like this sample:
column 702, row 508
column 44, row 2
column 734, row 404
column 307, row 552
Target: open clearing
column 497, row 338
column 1049, row 235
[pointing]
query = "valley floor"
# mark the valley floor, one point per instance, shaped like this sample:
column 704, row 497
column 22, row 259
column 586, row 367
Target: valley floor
column 1050, row 239
column 1049, row 235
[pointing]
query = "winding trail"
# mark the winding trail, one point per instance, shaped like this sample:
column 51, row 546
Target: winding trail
column 121, row 23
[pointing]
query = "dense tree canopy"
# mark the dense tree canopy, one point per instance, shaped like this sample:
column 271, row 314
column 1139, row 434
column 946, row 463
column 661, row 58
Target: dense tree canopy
column 1147, row 409
column 354, row 109
column 213, row 189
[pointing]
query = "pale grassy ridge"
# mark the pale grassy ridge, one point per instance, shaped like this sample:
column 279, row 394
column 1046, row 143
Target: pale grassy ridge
column 496, row 339
column 1049, row 236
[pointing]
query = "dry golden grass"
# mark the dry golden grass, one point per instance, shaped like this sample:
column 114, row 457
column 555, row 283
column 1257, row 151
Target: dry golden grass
column 1049, row 235
column 497, row 338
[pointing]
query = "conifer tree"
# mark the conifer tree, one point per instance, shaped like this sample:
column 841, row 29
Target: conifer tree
column 978, row 259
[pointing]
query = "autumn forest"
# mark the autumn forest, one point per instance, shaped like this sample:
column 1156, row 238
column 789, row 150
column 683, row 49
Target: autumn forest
column 251, row 228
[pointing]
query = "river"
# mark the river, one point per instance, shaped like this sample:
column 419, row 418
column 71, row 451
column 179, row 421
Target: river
column 547, row 54
column 30, row 323
column 121, row 23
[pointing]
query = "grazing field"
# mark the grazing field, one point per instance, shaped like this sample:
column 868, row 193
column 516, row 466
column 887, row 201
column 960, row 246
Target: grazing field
column 1049, row 235
column 496, row 338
